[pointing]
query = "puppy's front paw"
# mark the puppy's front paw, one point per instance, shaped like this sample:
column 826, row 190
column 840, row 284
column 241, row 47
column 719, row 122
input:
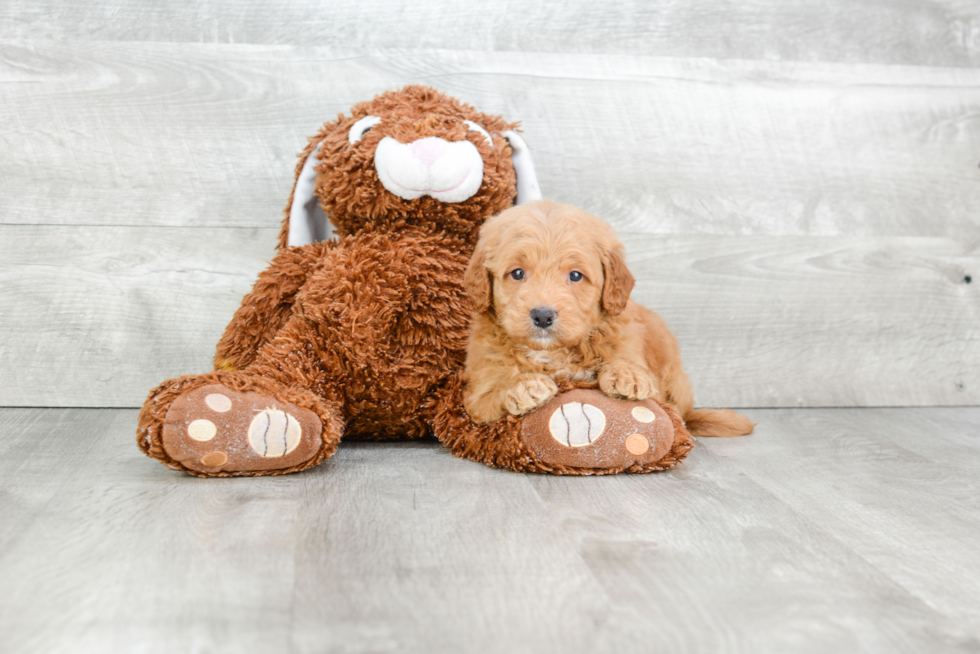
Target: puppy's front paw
column 530, row 393
column 627, row 381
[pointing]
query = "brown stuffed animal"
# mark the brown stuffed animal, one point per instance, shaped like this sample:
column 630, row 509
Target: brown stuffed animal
column 364, row 335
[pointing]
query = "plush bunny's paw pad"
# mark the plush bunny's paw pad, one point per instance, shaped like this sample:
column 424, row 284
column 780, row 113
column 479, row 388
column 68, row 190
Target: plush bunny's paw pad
column 585, row 429
column 216, row 429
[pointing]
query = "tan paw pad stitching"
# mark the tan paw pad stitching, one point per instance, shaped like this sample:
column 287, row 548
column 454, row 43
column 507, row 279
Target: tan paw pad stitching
column 202, row 430
column 218, row 402
column 274, row 433
column 576, row 425
column 643, row 414
column 214, row 459
column 637, row 444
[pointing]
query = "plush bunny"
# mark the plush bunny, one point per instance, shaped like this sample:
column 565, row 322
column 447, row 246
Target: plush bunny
column 358, row 327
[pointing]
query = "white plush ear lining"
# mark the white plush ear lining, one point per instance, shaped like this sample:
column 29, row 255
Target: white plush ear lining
column 527, row 180
column 307, row 222
column 476, row 128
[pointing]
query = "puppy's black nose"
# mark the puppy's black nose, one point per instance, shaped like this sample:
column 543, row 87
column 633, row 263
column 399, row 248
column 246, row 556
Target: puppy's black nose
column 543, row 317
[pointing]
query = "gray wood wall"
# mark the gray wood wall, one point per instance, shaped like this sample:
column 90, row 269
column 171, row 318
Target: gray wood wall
column 797, row 183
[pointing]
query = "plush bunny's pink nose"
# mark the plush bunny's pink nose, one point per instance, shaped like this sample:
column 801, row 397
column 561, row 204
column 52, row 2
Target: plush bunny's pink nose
column 428, row 150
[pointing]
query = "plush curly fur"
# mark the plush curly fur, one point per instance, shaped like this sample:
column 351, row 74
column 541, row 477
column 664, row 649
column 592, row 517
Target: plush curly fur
column 352, row 195
column 369, row 331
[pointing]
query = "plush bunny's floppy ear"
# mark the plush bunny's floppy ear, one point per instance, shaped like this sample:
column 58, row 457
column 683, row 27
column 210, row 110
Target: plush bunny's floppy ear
column 527, row 180
column 307, row 222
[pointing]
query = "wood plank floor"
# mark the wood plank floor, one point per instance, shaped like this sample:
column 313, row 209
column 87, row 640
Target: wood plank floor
column 829, row 530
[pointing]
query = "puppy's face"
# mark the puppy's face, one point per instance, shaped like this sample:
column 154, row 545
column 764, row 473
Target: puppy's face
column 549, row 273
column 547, row 286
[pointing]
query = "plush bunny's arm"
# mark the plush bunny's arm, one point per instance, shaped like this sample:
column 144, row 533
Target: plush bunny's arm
column 267, row 308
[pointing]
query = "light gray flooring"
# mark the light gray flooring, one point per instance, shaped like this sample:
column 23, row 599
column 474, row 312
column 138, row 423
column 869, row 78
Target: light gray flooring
column 829, row 530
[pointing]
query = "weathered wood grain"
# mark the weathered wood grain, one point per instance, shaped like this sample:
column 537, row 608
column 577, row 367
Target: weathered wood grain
column 935, row 32
column 111, row 556
column 453, row 568
column 102, row 314
column 902, row 493
column 827, row 530
column 819, row 520
column 97, row 316
column 836, row 159
column 206, row 135
column 804, row 321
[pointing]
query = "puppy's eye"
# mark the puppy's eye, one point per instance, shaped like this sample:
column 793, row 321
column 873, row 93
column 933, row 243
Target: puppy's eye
column 517, row 274
column 575, row 276
column 361, row 127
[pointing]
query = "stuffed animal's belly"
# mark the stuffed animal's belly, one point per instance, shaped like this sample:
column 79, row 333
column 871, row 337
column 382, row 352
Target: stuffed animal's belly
column 393, row 319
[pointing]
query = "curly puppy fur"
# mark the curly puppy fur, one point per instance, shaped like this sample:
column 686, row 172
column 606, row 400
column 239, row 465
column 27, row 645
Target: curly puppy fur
column 551, row 289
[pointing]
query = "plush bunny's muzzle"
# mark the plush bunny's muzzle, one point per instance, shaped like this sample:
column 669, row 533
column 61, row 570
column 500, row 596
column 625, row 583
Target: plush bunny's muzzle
column 447, row 171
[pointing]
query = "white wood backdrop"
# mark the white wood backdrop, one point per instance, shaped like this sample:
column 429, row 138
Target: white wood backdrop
column 797, row 183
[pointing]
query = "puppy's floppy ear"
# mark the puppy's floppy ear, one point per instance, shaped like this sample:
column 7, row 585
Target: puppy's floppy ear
column 617, row 281
column 477, row 279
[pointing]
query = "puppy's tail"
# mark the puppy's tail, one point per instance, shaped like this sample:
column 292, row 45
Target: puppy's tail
column 718, row 422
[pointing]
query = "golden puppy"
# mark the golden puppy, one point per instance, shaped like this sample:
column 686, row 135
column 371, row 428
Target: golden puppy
column 550, row 288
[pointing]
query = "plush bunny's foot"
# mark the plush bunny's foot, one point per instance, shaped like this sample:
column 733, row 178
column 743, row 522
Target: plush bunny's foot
column 586, row 429
column 580, row 431
column 224, row 424
column 216, row 429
